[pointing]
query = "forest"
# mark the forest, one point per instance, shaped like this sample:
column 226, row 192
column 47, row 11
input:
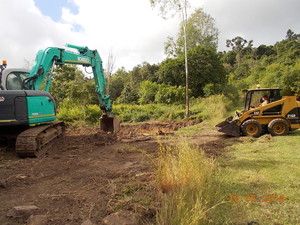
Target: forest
column 175, row 168
column 211, row 73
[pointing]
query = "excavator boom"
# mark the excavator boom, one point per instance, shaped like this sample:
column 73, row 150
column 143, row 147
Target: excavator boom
column 25, row 101
column 46, row 59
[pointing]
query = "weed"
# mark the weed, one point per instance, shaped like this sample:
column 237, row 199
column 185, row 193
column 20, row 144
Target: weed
column 186, row 179
column 212, row 108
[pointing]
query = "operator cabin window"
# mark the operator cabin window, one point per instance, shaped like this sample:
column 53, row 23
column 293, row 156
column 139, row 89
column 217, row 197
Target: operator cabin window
column 256, row 99
column 14, row 81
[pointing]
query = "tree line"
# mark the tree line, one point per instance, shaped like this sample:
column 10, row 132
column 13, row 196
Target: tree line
column 211, row 72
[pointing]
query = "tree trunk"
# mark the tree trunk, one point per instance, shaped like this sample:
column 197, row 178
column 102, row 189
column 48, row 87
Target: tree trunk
column 187, row 100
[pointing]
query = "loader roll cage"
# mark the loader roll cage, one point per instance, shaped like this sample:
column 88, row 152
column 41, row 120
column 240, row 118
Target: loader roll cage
column 253, row 96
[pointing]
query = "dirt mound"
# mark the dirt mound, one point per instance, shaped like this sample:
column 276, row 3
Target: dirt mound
column 90, row 174
column 153, row 128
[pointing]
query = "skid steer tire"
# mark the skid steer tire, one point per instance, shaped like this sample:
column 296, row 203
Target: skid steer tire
column 251, row 128
column 278, row 127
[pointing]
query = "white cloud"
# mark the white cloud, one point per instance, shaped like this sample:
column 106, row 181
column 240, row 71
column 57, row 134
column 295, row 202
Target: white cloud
column 131, row 28
column 265, row 22
column 24, row 30
column 134, row 31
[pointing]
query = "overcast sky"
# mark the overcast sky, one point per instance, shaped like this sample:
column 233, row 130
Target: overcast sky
column 132, row 29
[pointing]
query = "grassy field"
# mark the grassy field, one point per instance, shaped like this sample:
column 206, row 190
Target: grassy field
column 259, row 181
column 200, row 109
column 256, row 181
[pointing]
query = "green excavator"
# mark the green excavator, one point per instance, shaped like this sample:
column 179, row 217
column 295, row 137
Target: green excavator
column 27, row 109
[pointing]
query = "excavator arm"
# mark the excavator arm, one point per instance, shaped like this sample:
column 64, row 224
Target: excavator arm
column 40, row 76
column 28, row 111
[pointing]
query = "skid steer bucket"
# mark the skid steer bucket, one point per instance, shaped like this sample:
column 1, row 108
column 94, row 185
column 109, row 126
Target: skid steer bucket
column 109, row 124
column 229, row 127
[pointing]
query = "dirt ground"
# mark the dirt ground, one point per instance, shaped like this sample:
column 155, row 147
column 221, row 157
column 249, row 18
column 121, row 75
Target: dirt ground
column 88, row 174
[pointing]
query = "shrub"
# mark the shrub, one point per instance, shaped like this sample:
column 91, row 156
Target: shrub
column 212, row 108
column 93, row 114
column 170, row 94
column 147, row 92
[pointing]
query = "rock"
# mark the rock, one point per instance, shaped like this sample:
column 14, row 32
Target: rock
column 2, row 184
column 22, row 211
column 87, row 222
column 37, row 220
column 123, row 217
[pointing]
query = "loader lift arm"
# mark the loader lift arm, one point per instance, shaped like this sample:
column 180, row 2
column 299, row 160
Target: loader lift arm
column 41, row 74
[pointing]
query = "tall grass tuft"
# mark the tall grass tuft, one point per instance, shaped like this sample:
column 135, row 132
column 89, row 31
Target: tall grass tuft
column 186, row 179
column 212, row 108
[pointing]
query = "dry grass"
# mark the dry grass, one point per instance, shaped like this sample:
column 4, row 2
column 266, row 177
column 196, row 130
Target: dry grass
column 186, row 180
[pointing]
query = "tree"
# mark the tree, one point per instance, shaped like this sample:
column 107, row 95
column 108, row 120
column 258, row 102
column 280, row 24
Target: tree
column 69, row 82
column 238, row 44
column 117, row 82
column 201, row 31
column 148, row 71
column 129, row 94
column 290, row 34
column 176, row 7
column 205, row 68
column 264, row 50
column 147, row 92
column 110, row 66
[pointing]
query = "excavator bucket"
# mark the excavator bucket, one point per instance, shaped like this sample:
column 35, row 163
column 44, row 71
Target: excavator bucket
column 229, row 127
column 109, row 124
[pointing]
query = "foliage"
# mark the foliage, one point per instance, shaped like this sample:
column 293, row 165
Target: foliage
column 169, row 8
column 129, row 94
column 201, row 31
column 117, row 82
column 286, row 77
column 69, row 82
column 147, row 92
column 212, row 108
column 238, row 46
column 73, row 113
column 204, row 68
column 270, row 66
column 168, row 94
column 132, row 81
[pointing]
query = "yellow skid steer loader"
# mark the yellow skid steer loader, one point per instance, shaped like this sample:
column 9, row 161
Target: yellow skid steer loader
column 265, row 111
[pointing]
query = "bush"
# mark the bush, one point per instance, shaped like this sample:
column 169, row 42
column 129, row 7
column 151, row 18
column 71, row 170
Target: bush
column 170, row 94
column 147, row 92
column 92, row 114
column 212, row 108
column 69, row 111
column 75, row 113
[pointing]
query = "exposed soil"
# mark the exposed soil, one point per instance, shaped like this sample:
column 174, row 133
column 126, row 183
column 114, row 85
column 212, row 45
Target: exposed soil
column 89, row 174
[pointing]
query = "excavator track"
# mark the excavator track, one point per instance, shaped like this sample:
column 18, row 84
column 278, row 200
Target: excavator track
column 30, row 142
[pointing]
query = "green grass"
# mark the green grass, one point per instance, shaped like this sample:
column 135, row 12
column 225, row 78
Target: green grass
column 266, row 166
column 210, row 108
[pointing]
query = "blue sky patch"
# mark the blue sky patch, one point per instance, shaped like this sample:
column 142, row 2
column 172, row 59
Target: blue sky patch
column 52, row 8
